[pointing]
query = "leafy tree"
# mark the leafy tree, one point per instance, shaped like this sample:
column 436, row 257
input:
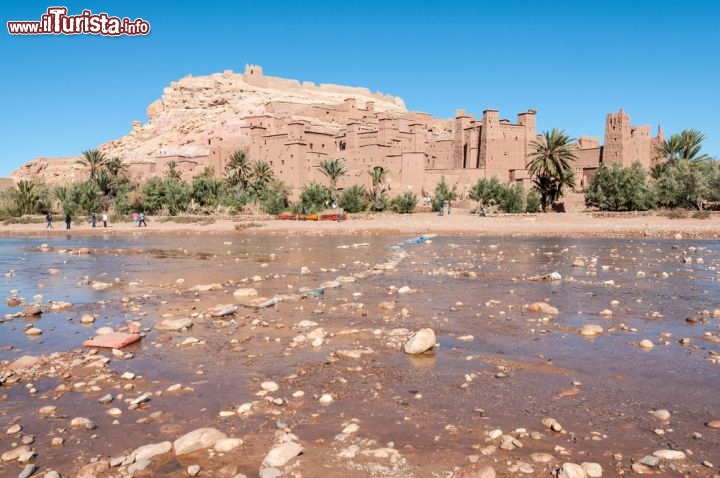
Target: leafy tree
column 379, row 177
column 167, row 193
column 617, row 188
column 443, row 193
column 486, row 192
column 237, row 170
column 404, row 203
column 687, row 184
column 333, row 169
column 314, row 197
column 353, row 199
column 551, row 165
column 94, row 160
column 172, row 171
column 84, row 197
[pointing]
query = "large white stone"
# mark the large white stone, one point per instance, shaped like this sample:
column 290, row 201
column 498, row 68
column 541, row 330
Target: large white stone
column 421, row 341
column 281, row 454
column 147, row 452
column 197, row 440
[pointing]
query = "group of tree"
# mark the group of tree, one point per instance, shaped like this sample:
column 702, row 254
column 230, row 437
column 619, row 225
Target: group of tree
column 685, row 178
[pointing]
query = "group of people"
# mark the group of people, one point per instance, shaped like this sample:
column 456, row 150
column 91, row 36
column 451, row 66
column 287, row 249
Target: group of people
column 138, row 218
column 445, row 204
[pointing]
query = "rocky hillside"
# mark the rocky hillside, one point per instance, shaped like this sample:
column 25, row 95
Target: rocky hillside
column 194, row 110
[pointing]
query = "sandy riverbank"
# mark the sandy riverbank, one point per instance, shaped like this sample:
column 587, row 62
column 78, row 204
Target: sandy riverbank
column 461, row 222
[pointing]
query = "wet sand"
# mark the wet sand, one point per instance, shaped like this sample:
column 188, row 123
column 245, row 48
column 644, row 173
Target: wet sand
column 487, row 396
column 461, row 221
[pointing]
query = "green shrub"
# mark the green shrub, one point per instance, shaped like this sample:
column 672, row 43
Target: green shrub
column 353, row 199
column 314, row 197
column 442, row 193
column 512, row 199
column 532, row 202
column 404, row 203
column 617, row 188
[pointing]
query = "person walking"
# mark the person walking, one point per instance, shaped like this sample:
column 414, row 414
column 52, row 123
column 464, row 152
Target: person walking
column 68, row 220
column 141, row 219
column 93, row 218
column 449, row 206
column 104, row 219
column 442, row 208
column 48, row 217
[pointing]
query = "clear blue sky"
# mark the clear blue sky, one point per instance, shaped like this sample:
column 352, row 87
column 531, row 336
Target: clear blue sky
column 573, row 61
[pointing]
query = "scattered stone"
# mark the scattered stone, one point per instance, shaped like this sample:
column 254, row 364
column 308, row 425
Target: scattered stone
column 592, row 470
column 590, row 330
column 14, row 429
column 87, row 319
column 174, row 325
column 32, row 331
column 270, row 473
column 326, row 399
column 661, row 414
column 193, row 470
column 225, row 445
column 197, row 440
column 15, row 453
column 27, row 471
column 543, row 307
column 669, row 454
column 127, row 376
column 270, row 386
column 570, row 470
column 245, row 293
column 713, row 424
column 646, row 344
column 31, row 311
column 148, row 452
column 25, row 362
column 404, row 290
column 423, row 340
column 281, row 454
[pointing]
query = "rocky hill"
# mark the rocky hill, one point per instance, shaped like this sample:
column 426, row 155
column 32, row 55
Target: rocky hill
column 195, row 110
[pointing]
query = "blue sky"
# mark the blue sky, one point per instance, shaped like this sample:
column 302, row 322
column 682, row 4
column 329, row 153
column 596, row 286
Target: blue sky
column 572, row 61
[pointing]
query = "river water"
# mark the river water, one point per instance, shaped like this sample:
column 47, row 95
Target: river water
column 471, row 291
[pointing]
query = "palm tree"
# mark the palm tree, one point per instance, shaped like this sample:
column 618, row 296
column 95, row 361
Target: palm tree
column 261, row 173
column 115, row 167
column 551, row 165
column 94, row 160
column 237, row 169
column 379, row 175
column 683, row 146
column 105, row 182
column 26, row 196
column 333, row 169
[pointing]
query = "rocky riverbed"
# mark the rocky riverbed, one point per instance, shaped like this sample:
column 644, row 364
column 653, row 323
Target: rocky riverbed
column 383, row 356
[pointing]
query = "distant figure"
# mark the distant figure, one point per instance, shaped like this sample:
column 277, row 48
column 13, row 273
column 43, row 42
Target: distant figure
column 135, row 217
column 442, row 208
column 93, row 218
column 141, row 220
column 49, row 221
column 449, row 206
column 105, row 219
column 482, row 212
column 303, row 214
column 340, row 214
column 68, row 220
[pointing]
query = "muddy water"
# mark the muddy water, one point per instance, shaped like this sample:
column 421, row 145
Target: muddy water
column 517, row 368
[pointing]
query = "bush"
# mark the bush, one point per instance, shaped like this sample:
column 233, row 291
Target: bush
column 404, row 203
column 701, row 215
column 676, row 213
column 532, row 202
column 442, row 193
column 274, row 203
column 512, row 199
column 353, row 199
column 620, row 189
column 486, row 192
column 314, row 197
column 687, row 184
